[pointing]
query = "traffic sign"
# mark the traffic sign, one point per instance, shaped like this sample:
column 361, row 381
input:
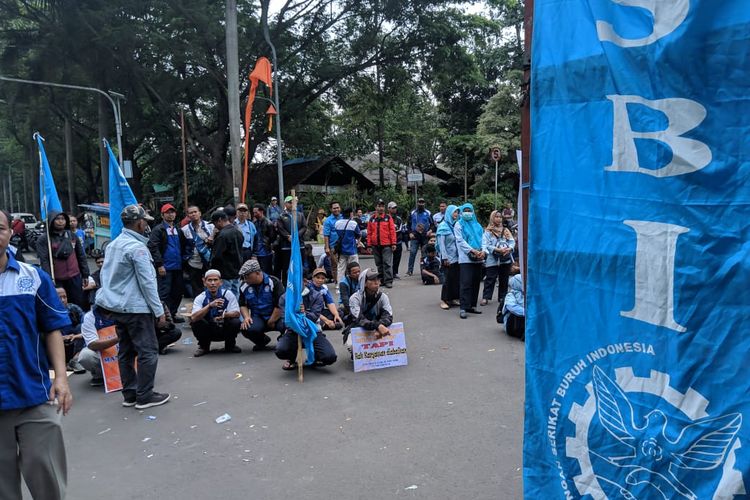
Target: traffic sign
column 414, row 177
column 496, row 154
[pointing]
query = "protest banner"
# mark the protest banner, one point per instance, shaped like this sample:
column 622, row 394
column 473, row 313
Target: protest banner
column 372, row 353
column 109, row 360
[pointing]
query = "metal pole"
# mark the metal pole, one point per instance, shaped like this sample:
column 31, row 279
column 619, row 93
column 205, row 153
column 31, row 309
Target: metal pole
column 528, row 21
column 184, row 160
column 279, row 159
column 233, row 93
column 495, row 184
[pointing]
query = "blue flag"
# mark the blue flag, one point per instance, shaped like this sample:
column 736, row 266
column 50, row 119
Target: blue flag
column 120, row 194
column 638, row 320
column 48, row 199
column 293, row 317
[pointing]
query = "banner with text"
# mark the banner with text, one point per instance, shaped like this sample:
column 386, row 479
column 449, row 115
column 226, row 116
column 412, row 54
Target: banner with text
column 638, row 327
column 110, row 360
column 372, row 353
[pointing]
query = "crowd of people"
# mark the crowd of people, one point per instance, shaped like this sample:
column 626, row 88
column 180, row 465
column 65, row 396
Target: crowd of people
column 234, row 266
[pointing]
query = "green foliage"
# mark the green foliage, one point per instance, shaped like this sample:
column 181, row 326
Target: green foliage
column 484, row 204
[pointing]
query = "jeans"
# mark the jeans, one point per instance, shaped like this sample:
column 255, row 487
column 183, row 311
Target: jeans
column 414, row 245
column 286, row 348
column 384, row 262
column 234, row 286
column 471, row 278
column 206, row 331
column 137, row 338
column 171, row 288
column 256, row 333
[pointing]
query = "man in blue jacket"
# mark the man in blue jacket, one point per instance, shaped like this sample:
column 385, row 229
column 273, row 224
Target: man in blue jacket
column 169, row 250
column 331, row 237
column 31, row 440
column 130, row 295
column 420, row 222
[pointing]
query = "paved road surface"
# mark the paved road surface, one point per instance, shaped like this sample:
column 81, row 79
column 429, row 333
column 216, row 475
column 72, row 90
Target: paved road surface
column 447, row 426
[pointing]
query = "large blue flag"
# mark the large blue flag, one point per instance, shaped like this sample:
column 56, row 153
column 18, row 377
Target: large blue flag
column 120, row 194
column 48, row 199
column 293, row 317
column 638, row 321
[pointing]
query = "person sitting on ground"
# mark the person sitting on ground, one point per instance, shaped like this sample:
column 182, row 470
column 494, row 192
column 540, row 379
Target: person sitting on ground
column 514, row 309
column 166, row 333
column 259, row 304
column 90, row 355
column 431, row 267
column 215, row 316
column 348, row 286
column 72, row 338
column 329, row 318
column 286, row 345
column 370, row 308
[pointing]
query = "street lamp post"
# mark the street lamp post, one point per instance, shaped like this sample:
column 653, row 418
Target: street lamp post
column 115, row 107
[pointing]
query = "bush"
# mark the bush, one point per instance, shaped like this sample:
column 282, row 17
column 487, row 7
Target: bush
column 484, row 204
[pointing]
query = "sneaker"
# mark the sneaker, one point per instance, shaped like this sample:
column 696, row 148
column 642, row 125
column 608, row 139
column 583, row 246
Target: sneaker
column 156, row 399
column 263, row 346
column 444, row 305
column 396, row 277
column 409, row 273
column 98, row 382
column 462, row 314
column 128, row 401
column 200, row 352
column 178, row 319
column 235, row 349
column 75, row 367
column 474, row 311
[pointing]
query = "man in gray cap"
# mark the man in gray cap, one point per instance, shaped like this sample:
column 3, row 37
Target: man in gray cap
column 129, row 292
column 259, row 304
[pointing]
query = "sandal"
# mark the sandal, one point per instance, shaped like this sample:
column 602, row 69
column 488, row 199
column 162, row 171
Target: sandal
column 444, row 305
column 289, row 366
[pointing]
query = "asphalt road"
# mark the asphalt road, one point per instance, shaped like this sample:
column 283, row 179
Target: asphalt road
column 447, row 426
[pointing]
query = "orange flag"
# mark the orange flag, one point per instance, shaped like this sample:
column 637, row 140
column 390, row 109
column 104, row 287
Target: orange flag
column 261, row 73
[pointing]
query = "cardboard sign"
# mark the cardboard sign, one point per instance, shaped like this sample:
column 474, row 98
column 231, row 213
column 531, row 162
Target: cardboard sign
column 371, row 353
column 109, row 360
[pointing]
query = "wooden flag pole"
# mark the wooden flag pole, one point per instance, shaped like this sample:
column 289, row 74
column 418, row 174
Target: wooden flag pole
column 301, row 353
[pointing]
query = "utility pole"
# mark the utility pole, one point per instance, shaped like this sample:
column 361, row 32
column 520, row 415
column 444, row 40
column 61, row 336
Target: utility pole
column 68, row 134
column 233, row 93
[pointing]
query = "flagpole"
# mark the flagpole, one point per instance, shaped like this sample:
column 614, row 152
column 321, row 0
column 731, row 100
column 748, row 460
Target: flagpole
column 184, row 160
column 44, row 203
column 301, row 353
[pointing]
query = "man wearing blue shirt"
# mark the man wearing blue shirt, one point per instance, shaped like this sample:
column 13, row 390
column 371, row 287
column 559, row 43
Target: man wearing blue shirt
column 274, row 210
column 330, row 237
column 347, row 240
column 31, row 441
column 420, row 222
column 169, row 250
column 246, row 226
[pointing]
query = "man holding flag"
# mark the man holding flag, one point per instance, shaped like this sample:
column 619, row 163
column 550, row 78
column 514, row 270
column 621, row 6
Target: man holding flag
column 300, row 327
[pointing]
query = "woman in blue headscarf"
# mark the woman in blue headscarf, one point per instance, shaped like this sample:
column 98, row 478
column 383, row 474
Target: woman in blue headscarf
column 468, row 233
column 448, row 252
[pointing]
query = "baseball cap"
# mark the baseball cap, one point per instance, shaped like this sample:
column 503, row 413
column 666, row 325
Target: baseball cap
column 420, row 200
column 371, row 274
column 212, row 272
column 218, row 214
column 288, row 199
column 274, row 198
column 241, row 206
column 380, row 202
column 318, row 271
column 134, row 212
column 250, row 266
column 167, row 207
column 392, row 204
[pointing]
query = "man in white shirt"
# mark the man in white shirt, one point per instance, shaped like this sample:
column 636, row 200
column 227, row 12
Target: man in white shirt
column 215, row 316
column 90, row 356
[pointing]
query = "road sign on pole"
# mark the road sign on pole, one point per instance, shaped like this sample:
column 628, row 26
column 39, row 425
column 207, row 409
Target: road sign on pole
column 495, row 153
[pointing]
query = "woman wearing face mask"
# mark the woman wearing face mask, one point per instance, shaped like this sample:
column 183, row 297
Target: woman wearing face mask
column 471, row 257
column 498, row 244
column 448, row 252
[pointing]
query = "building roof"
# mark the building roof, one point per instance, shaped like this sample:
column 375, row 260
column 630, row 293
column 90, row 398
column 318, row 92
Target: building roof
column 315, row 171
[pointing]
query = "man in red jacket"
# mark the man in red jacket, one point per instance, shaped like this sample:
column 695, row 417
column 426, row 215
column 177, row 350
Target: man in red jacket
column 381, row 237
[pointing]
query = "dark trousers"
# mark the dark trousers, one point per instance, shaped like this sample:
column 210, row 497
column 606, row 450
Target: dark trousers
column 491, row 274
column 171, row 287
column 266, row 263
column 516, row 326
column 168, row 335
column 471, row 278
column 256, row 333
column 74, row 290
column 196, row 279
column 286, row 348
column 137, row 338
column 451, row 284
column 207, row 331
column 384, row 262
column 282, row 264
column 397, row 257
